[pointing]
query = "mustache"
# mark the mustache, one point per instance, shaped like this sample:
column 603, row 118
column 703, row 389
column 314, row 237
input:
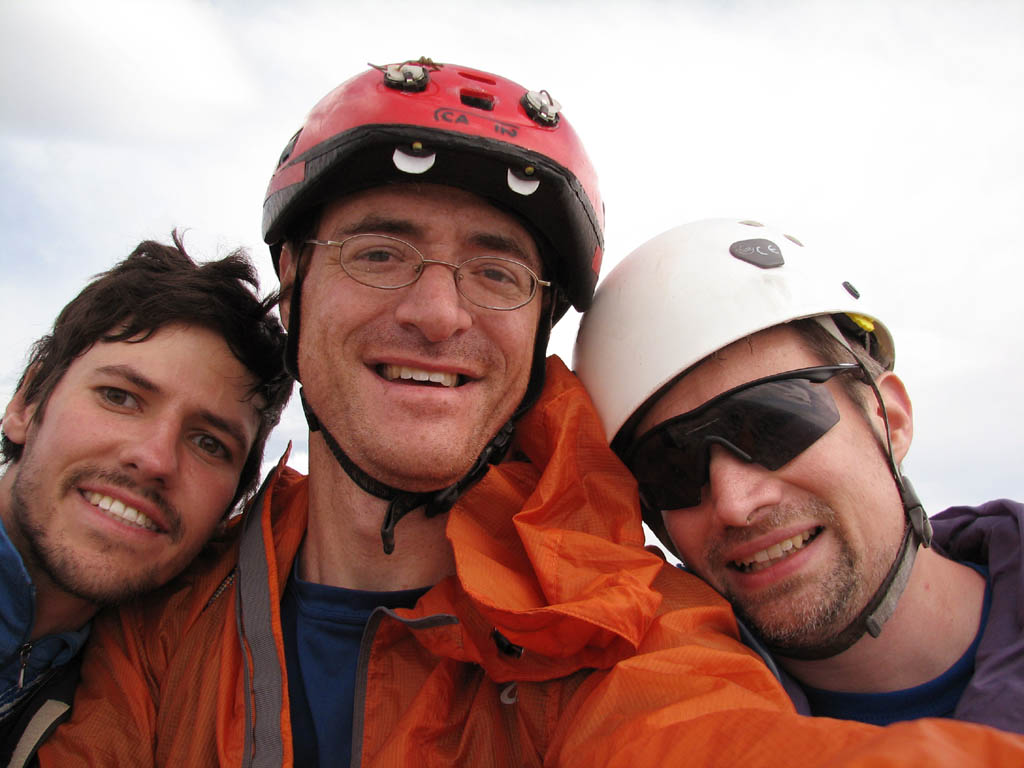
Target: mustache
column 768, row 519
column 171, row 517
column 463, row 346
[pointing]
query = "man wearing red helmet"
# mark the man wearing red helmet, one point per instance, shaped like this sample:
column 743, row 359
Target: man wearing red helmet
column 460, row 580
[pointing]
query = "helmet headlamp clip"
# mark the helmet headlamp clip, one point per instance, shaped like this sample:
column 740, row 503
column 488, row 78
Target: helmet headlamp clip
column 541, row 107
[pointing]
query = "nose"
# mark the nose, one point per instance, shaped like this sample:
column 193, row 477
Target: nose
column 434, row 305
column 151, row 451
column 738, row 489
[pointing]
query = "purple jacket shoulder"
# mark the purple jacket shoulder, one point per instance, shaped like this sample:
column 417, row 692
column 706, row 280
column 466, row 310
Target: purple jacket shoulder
column 992, row 535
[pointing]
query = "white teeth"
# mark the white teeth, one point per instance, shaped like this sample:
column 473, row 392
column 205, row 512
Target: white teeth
column 762, row 559
column 392, row 372
column 118, row 509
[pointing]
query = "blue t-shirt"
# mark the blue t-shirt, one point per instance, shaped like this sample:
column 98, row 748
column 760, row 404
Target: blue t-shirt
column 323, row 628
column 936, row 698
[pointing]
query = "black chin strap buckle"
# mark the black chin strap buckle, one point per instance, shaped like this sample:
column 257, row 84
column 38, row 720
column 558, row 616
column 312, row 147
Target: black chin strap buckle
column 914, row 509
column 438, row 502
column 401, row 505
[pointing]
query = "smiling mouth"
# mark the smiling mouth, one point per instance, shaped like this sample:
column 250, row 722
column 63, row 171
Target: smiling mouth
column 768, row 557
column 420, row 376
column 119, row 510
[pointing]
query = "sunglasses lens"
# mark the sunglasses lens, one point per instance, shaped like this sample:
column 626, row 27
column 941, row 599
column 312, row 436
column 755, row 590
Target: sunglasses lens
column 782, row 419
column 770, row 423
column 670, row 476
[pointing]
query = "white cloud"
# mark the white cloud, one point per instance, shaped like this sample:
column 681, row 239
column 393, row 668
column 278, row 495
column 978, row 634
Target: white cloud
column 884, row 133
column 117, row 71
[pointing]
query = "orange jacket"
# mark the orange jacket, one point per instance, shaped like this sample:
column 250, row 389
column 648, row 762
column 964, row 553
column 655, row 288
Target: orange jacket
column 559, row 641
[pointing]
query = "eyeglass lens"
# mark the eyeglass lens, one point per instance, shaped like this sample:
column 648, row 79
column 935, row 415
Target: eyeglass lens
column 386, row 262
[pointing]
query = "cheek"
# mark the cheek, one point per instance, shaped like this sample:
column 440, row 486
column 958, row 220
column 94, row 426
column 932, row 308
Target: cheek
column 206, row 493
column 61, row 437
column 688, row 534
column 200, row 526
column 517, row 340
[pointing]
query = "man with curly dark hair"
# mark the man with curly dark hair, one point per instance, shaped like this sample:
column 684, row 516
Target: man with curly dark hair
column 138, row 424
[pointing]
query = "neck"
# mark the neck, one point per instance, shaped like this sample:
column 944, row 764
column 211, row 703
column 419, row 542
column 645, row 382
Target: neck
column 935, row 622
column 56, row 610
column 343, row 546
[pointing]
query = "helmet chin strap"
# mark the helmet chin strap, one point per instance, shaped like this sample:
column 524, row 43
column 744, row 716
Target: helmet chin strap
column 879, row 609
column 917, row 532
column 402, row 502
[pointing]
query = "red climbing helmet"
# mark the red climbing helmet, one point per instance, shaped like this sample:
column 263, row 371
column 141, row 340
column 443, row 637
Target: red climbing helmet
column 452, row 125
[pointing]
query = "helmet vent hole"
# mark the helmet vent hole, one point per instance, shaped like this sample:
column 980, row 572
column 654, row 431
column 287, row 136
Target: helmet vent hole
column 287, row 151
column 479, row 78
column 477, row 99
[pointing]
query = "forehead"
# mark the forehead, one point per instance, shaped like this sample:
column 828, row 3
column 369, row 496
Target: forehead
column 772, row 351
column 424, row 214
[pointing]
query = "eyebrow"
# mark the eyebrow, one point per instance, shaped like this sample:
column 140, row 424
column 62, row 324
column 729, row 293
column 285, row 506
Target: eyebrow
column 130, row 375
column 388, row 225
column 230, row 427
column 502, row 244
column 374, row 222
column 133, row 376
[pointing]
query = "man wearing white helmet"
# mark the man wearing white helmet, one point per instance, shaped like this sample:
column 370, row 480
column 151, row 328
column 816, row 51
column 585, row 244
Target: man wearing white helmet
column 765, row 428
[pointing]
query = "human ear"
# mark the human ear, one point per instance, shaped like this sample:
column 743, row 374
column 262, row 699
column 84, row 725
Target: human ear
column 18, row 414
column 900, row 414
column 286, row 268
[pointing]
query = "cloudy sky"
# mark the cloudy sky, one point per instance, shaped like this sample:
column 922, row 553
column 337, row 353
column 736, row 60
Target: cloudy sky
column 886, row 134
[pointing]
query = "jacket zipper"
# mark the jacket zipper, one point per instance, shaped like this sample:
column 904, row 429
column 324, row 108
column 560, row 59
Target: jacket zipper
column 23, row 654
column 359, row 690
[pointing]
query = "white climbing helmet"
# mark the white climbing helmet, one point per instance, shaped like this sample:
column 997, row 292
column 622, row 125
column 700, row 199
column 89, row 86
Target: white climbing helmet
column 696, row 289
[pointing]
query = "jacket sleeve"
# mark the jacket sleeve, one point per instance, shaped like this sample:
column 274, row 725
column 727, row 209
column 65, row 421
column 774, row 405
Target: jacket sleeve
column 693, row 696
column 113, row 720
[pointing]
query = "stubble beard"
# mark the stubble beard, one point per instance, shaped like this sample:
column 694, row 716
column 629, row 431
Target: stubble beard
column 806, row 611
column 48, row 557
column 449, row 445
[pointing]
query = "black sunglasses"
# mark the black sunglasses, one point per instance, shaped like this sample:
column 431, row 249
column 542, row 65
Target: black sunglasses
column 769, row 421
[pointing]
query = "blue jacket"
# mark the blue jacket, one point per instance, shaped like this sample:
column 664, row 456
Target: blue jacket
column 30, row 672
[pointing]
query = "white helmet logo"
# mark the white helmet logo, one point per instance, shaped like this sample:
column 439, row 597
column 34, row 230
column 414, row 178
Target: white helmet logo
column 759, row 252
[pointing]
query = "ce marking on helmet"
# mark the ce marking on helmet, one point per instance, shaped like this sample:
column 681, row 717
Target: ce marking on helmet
column 454, row 116
column 759, row 252
column 762, row 250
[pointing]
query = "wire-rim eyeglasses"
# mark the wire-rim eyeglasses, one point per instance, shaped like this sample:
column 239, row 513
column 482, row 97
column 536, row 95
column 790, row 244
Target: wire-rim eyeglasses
column 389, row 263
